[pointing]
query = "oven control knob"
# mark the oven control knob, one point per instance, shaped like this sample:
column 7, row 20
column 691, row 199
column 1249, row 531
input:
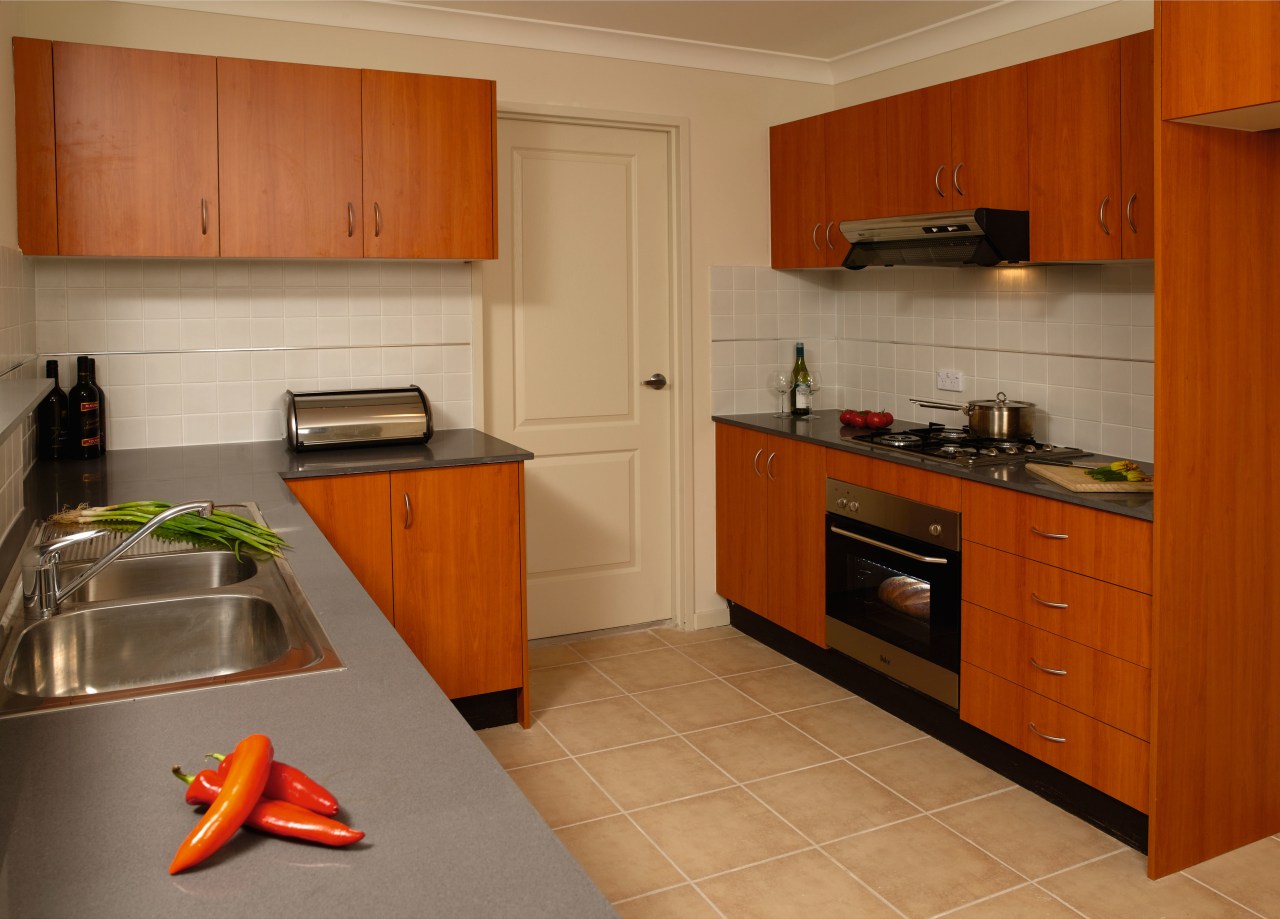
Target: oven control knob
column 853, row 506
column 841, row 503
column 935, row 529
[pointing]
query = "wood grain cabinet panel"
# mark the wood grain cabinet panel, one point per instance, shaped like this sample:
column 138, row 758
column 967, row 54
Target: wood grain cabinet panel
column 903, row 481
column 136, row 152
column 916, row 152
column 1103, row 616
column 855, row 163
column 742, row 524
column 289, row 160
column 1218, row 56
column 428, row 160
column 989, row 162
column 798, row 195
column 33, row 119
column 1137, row 137
column 1109, row 547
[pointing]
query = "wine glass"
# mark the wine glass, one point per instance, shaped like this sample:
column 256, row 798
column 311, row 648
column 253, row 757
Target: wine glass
column 815, row 384
column 779, row 381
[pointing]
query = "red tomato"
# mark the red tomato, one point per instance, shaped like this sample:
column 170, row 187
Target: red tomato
column 847, row 416
column 876, row 420
column 888, row 419
column 859, row 420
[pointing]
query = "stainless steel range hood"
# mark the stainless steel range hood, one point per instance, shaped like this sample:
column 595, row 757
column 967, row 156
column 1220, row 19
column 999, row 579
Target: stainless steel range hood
column 985, row 236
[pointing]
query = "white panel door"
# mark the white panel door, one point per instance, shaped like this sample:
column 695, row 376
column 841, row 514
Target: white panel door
column 577, row 315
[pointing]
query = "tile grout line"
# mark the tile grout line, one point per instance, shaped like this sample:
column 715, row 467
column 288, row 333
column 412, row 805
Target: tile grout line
column 1224, row 896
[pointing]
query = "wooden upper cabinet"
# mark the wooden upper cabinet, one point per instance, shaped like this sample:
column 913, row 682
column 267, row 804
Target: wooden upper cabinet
column 1221, row 57
column 429, row 172
column 798, row 194
column 33, row 111
column 855, row 163
column 289, row 160
column 916, row 153
column 1137, row 137
column 1076, row 205
column 989, row 164
column 136, row 150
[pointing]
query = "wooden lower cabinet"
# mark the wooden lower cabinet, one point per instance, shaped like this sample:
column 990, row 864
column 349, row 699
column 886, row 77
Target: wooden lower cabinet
column 441, row 551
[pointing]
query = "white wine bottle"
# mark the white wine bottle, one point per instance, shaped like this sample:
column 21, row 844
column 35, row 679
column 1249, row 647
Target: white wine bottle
column 801, row 397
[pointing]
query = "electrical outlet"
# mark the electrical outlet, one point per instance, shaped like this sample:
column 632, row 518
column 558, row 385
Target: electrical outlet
column 951, row 380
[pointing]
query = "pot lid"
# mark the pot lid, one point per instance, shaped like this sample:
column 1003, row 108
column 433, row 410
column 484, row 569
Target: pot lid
column 1001, row 401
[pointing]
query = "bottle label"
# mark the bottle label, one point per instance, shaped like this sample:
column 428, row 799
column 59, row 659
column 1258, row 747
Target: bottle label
column 90, row 441
column 803, row 397
column 88, row 406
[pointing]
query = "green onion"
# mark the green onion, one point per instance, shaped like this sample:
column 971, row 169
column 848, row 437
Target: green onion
column 221, row 529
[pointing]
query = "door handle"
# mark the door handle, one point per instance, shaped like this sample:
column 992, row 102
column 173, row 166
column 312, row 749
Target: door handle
column 408, row 511
column 657, row 381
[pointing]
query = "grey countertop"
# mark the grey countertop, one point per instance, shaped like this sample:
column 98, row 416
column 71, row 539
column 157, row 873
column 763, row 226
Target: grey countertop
column 90, row 816
column 826, row 431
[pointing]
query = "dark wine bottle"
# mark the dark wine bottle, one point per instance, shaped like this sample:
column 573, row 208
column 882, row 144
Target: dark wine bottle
column 51, row 419
column 801, row 397
column 84, row 421
column 102, row 404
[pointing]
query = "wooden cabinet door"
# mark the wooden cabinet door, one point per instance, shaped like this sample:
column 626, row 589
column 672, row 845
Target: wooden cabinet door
column 797, row 194
column 916, row 152
column 989, row 136
column 136, row 150
column 855, row 163
column 289, row 160
column 796, row 474
column 33, row 118
column 1074, row 104
column 1217, row 56
column 428, row 145
column 741, row 517
column 354, row 514
column 458, row 548
column 1137, row 137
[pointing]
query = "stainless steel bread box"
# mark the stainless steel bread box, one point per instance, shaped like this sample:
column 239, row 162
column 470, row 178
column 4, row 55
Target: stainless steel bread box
column 357, row 418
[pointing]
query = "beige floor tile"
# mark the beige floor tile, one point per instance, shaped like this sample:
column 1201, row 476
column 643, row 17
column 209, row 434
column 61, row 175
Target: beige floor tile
column 930, row 774
column 680, row 637
column 652, row 773
column 832, row 800
column 552, row 656
column 562, row 792
column 1028, row 902
column 1027, row 833
column 755, row 749
column 1250, row 875
column 594, row 726
column 512, row 746
column 1117, row 887
column 613, row 645
column 568, row 684
column 786, row 688
column 618, row 858
column 734, row 655
column 891, row 860
column 700, row 705
column 807, row 885
column 852, row 726
column 717, row 832
column 678, row 903
column 646, row 670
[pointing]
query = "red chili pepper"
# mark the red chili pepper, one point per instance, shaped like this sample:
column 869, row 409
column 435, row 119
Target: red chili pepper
column 280, row 818
column 288, row 783
column 241, row 789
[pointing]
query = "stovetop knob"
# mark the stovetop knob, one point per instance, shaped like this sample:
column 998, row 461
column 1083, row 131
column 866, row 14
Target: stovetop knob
column 935, row 529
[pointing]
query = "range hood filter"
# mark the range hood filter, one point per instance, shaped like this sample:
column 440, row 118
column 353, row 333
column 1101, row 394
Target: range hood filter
column 986, row 237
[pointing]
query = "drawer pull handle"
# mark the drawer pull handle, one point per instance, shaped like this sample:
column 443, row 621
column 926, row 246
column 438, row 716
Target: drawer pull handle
column 408, row 512
column 1040, row 532
column 1045, row 669
column 755, row 463
column 768, row 467
column 1048, row 737
column 1043, row 602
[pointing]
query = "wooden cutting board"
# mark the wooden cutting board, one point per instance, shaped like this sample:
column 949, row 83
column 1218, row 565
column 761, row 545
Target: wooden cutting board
column 1074, row 478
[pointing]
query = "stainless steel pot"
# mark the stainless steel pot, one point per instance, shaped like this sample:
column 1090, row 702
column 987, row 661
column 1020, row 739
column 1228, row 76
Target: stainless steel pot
column 1000, row 418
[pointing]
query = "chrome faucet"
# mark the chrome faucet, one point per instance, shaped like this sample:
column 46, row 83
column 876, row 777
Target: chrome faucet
column 42, row 593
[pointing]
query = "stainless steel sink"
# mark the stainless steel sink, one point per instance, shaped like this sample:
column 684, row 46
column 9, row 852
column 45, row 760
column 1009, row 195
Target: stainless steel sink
column 162, row 622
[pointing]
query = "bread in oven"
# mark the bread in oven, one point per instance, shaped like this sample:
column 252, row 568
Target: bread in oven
column 906, row 595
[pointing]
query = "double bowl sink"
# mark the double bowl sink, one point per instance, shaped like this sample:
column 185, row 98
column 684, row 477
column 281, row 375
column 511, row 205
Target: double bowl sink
column 161, row 621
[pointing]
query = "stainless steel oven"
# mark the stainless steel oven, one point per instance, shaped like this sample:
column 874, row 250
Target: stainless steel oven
column 893, row 587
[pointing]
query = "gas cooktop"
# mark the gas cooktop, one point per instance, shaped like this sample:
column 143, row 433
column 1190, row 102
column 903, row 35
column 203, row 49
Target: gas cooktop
column 958, row 446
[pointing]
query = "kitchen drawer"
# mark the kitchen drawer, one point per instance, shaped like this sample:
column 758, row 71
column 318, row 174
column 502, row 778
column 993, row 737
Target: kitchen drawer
column 1101, row 615
column 896, row 479
column 1095, row 684
column 1107, row 546
column 1110, row 760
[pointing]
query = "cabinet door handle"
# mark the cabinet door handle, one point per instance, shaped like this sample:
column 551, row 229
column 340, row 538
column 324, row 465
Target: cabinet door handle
column 1128, row 212
column 1048, row 737
column 814, row 236
column 1043, row 669
column 830, row 244
column 1040, row 532
column 1102, row 215
column 1043, row 602
column 955, row 178
column 377, row 220
column 408, row 512
column 351, row 219
column 768, row 466
column 755, row 463
column 204, row 216
column 937, row 184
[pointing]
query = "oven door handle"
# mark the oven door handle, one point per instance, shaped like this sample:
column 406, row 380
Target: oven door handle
column 888, row 548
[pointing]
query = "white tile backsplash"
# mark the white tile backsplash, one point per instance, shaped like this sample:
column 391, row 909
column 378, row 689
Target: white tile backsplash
column 1077, row 340
column 200, row 351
